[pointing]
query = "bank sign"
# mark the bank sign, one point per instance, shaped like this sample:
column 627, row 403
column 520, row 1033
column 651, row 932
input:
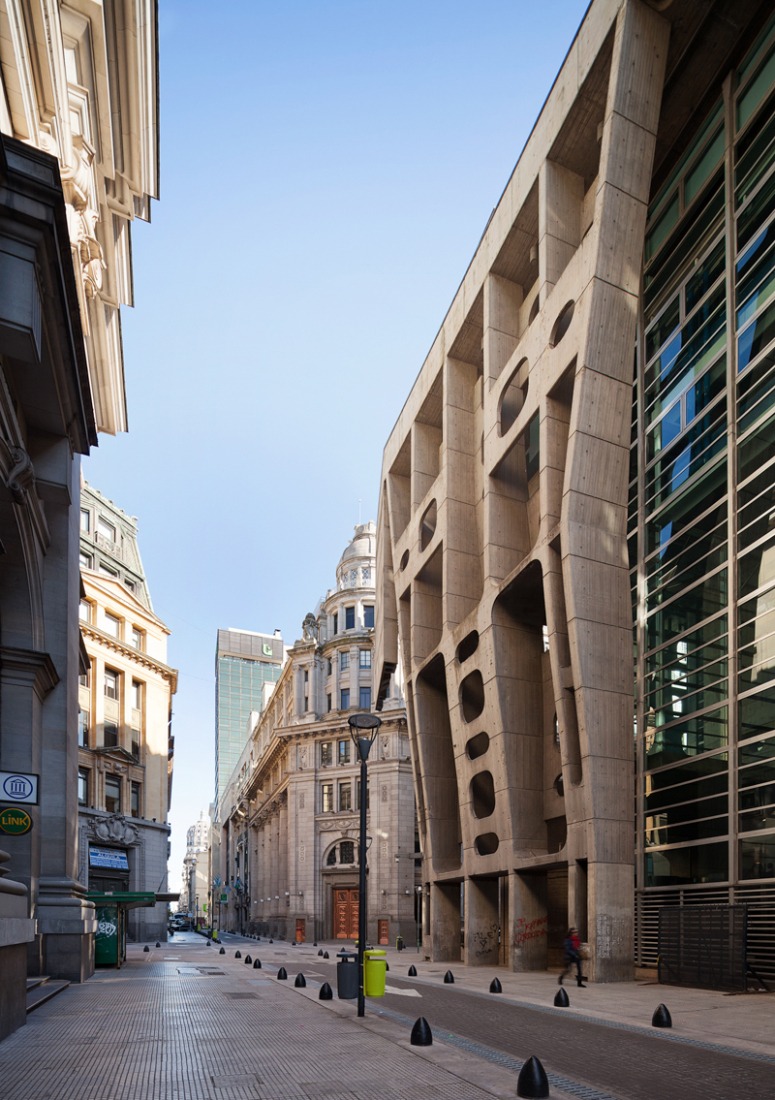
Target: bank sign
column 19, row 787
column 15, row 821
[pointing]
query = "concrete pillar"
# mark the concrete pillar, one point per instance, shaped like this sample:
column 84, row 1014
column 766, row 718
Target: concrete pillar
column 528, row 903
column 445, row 922
column 482, row 939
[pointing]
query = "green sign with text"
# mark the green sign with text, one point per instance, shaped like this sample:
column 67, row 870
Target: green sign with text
column 15, row 821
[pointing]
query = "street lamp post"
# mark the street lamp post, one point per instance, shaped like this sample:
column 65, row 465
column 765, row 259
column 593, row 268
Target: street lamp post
column 363, row 730
column 419, row 915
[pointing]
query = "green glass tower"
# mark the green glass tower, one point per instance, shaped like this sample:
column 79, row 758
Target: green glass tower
column 245, row 662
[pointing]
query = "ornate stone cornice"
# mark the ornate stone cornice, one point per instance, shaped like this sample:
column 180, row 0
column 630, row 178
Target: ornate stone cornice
column 129, row 653
column 30, row 666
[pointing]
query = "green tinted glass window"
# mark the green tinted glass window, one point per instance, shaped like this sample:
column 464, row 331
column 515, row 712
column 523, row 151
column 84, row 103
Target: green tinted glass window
column 757, row 448
column 757, row 857
column 756, row 714
column 756, row 391
column 686, row 865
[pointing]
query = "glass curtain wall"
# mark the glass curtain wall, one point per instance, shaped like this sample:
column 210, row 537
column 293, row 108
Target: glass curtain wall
column 702, row 517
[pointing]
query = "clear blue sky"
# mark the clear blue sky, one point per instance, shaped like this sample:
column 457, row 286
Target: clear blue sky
column 327, row 170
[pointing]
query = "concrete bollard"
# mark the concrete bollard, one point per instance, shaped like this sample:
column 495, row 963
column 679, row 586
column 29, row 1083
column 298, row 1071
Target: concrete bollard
column 412, row 971
column 326, row 993
column 282, row 974
column 421, row 1034
column 561, row 999
column 495, row 986
column 661, row 1017
column 449, row 978
column 256, row 964
column 532, row 1081
column 301, row 982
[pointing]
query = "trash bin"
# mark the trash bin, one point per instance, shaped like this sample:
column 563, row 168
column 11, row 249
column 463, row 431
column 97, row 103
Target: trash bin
column 399, row 943
column 347, row 976
column 374, row 971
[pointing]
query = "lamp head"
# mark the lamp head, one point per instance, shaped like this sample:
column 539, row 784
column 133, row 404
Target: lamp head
column 363, row 730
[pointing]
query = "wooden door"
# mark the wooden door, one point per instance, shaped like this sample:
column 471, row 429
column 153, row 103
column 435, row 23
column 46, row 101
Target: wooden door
column 345, row 913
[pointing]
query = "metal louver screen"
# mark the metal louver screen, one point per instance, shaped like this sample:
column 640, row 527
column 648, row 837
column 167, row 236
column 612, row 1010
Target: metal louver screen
column 703, row 946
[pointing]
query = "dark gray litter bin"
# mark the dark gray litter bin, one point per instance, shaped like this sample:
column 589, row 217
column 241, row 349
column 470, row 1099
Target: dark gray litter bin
column 347, row 976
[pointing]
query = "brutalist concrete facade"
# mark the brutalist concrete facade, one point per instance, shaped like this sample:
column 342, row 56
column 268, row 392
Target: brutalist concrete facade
column 503, row 575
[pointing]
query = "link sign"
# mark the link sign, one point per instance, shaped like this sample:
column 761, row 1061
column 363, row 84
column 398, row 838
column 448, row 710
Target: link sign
column 15, row 821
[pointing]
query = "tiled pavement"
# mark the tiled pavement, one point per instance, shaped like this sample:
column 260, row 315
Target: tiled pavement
column 182, row 1022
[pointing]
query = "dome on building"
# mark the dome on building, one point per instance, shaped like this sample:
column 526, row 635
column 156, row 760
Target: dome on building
column 356, row 565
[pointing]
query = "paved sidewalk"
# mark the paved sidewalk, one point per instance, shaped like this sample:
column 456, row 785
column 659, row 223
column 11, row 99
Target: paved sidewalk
column 183, row 1022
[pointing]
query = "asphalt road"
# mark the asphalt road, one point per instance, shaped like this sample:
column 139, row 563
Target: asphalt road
column 625, row 1063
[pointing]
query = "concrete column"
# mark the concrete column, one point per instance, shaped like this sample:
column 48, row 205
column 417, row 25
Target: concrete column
column 528, row 903
column 445, row 922
column 482, row 931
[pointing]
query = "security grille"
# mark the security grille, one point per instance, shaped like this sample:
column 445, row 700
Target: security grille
column 703, row 946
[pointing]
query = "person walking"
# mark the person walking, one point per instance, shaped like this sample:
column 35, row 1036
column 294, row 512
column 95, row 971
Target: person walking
column 571, row 947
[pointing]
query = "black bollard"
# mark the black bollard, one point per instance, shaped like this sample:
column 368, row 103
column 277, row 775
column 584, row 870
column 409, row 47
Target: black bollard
column 326, row 993
column 421, row 1034
column 282, row 974
column 325, row 954
column 271, row 941
column 237, row 954
column 158, row 944
column 387, row 967
column 495, row 986
column 449, row 978
column 320, row 952
column 209, row 943
column 412, row 971
column 315, row 943
column 222, row 951
column 248, row 960
column 661, row 1017
column 301, row 982
column 257, row 964
column 146, row 948
column 561, row 999
column 532, row 1081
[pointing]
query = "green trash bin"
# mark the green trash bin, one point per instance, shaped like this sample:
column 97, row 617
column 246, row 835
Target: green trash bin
column 374, row 971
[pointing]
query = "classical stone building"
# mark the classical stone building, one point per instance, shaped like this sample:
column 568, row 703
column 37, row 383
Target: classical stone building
column 290, row 815
column 603, row 377
column 78, row 161
column 125, row 743
column 195, row 895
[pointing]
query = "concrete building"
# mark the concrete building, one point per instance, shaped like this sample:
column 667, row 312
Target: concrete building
column 125, row 743
column 246, row 666
column 78, row 161
column 603, row 377
column 290, row 814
